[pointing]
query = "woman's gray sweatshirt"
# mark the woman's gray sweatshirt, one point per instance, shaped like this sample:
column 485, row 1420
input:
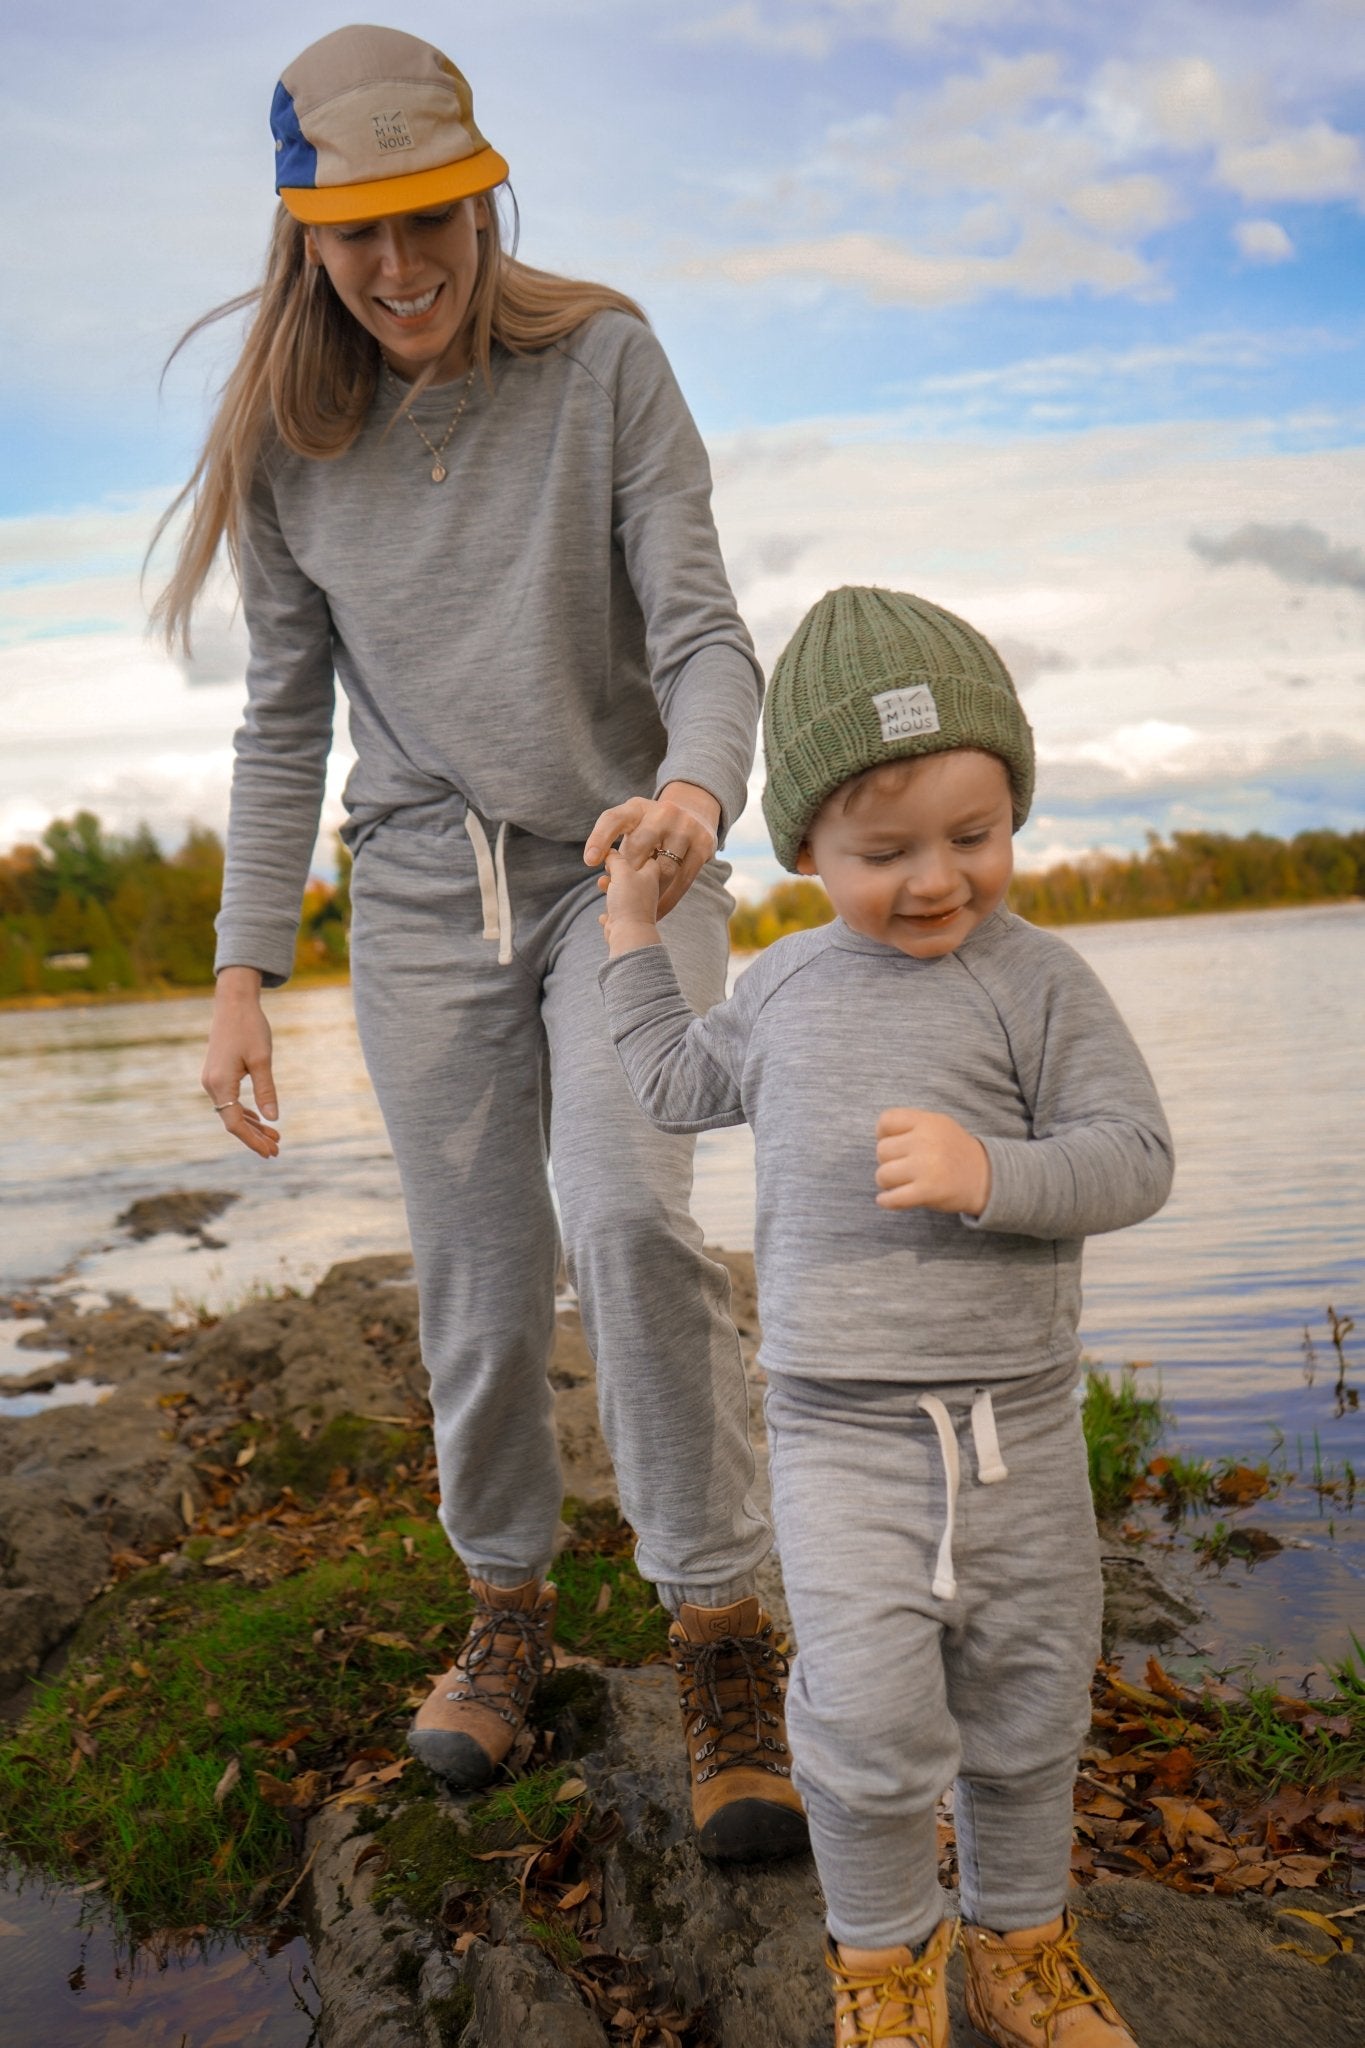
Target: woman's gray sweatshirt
column 1013, row 1035
column 545, row 633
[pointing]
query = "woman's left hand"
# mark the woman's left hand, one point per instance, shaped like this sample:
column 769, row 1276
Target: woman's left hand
column 678, row 825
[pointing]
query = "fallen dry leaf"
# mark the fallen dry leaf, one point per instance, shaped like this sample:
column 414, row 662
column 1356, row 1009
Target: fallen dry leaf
column 227, row 1781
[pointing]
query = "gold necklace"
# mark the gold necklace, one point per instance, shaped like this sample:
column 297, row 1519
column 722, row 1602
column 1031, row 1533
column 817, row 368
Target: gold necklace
column 435, row 449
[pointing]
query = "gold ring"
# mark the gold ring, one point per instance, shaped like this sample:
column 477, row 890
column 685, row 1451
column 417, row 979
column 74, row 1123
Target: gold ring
column 662, row 853
column 225, row 1105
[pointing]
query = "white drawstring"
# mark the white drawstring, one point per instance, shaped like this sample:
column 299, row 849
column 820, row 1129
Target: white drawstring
column 990, row 1467
column 494, row 894
column 945, row 1585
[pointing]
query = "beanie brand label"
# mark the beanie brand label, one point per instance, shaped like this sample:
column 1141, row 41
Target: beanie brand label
column 905, row 714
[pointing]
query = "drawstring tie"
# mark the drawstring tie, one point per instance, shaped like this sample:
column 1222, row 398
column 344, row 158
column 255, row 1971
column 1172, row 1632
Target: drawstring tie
column 990, row 1467
column 494, row 893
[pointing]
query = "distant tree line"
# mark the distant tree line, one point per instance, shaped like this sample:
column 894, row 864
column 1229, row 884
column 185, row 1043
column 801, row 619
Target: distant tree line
column 93, row 911
column 86, row 910
column 1188, row 872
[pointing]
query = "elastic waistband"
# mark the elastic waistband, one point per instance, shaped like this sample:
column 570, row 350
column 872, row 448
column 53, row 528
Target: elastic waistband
column 1020, row 1400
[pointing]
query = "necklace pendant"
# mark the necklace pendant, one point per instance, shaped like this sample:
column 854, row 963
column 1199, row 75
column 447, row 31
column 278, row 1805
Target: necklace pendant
column 438, row 473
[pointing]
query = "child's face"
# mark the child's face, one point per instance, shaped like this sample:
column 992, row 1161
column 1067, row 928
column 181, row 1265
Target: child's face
column 918, row 853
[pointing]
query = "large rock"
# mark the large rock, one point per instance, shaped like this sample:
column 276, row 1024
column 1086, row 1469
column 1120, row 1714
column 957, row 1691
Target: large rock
column 743, row 1946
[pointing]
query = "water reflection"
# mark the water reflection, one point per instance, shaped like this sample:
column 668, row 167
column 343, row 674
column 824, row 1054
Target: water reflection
column 67, row 1982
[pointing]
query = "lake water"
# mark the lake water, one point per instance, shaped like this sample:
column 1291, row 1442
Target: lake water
column 1251, row 1023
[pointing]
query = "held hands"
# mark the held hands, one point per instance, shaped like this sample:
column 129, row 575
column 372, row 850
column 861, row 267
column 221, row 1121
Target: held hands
column 682, row 819
column 239, row 1046
column 630, row 919
column 927, row 1161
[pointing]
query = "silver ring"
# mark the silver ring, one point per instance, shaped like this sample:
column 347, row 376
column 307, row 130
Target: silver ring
column 225, row 1105
column 662, row 853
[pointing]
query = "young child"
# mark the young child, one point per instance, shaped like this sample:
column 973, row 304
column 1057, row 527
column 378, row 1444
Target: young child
column 945, row 1104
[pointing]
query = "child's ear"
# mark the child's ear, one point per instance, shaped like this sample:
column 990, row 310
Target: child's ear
column 805, row 860
column 311, row 253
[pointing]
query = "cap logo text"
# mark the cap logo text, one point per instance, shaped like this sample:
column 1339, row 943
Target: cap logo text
column 905, row 714
column 391, row 131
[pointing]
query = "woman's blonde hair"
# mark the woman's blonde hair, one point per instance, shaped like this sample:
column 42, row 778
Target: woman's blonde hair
column 308, row 373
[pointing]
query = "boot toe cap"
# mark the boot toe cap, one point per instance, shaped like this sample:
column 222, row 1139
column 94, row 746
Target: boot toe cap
column 459, row 1759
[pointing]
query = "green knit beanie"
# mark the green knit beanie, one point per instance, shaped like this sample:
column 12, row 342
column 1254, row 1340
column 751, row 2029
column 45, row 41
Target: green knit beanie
column 875, row 675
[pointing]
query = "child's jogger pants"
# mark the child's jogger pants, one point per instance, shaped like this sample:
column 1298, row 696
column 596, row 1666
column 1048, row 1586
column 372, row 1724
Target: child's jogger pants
column 898, row 1690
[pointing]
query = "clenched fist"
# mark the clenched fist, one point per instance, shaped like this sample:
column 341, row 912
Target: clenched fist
column 927, row 1161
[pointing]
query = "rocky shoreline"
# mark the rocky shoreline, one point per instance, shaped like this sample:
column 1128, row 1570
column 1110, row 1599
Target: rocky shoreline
column 91, row 1493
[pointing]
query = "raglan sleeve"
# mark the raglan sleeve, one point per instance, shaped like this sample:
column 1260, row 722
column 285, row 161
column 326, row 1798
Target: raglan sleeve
column 703, row 668
column 280, row 749
column 685, row 1071
column 1100, row 1156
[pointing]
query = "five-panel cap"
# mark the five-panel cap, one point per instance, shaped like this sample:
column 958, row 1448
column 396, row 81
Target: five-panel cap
column 370, row 121
column 878, row 675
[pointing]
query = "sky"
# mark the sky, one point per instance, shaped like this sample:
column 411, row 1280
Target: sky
column 1050, row 312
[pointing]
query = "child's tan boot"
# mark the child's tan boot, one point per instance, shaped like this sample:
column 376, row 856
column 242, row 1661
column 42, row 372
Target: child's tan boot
column 891, row 1995
column 1030, row 1989
column 465, row 1727
column 730, row 1681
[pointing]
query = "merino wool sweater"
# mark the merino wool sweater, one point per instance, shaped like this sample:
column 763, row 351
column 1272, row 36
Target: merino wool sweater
column 545, row 633
column 1013, row 1035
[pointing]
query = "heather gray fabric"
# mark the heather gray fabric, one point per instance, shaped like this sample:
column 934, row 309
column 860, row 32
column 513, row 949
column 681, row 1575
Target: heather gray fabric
column 476, row 1066
column 547, row 632
column 895, row 1693
column 1013, row 1035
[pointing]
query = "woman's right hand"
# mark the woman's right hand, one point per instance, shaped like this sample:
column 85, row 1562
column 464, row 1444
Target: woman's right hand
column 239, row 1047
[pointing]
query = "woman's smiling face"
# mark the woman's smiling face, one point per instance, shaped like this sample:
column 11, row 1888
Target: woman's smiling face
column 408, row 279
column 919, row 852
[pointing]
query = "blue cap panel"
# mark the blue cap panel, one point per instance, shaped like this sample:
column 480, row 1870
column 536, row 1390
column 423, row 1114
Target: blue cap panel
column 296, row 160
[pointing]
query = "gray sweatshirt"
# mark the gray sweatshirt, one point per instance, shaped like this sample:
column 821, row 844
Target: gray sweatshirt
column 1013, row 1035
column 545, row 633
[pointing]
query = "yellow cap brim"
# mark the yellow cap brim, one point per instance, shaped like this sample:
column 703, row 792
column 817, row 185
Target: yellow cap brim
column 325, row 205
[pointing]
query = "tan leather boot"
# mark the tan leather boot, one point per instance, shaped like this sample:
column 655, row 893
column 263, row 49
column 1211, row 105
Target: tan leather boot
column 1030, row 1989
column 464, row 1728
column 891, row 1995
column 731, row 1677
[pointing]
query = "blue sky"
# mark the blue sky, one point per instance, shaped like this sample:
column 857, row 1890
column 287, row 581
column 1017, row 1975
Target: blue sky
column 1052, row 312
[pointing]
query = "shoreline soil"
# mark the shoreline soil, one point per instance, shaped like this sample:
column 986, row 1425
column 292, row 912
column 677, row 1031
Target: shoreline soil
column 221, row 1427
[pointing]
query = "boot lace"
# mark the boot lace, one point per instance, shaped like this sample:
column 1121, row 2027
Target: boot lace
column 891, row 2015
column 1055, row 1970
column 502, row 1660
column 738, row 1728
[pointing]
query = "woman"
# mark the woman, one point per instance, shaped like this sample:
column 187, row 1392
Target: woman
column 473, row 493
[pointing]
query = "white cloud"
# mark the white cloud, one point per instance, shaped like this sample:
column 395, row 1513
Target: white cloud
column 1314, row 163
column 1132, row 206
column 1263, row 241
column 813, row 28
column 1048, row 261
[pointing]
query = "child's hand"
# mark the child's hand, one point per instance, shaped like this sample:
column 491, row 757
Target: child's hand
column 630, row 919
column 927, row 1161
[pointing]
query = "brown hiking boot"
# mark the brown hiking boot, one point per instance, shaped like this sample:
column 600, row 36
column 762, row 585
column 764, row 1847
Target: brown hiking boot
column 730, row 1681
column 466, row 1726
column 1030, row 1989
column 891, row 1995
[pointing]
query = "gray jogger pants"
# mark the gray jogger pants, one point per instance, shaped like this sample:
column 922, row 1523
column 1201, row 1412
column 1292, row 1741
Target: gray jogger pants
column 480, row 1064
column 897, row 1691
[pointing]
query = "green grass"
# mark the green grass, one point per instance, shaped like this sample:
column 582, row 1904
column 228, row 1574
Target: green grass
column 126, row 1793
column 1260, row 1740
column 1121, row 1428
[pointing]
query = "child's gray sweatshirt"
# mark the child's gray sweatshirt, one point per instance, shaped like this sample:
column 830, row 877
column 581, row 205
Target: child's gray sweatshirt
column 545, row 633
column 1013, row 1035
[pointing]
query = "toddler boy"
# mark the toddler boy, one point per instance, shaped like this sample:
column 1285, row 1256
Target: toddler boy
column 945, row 1104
